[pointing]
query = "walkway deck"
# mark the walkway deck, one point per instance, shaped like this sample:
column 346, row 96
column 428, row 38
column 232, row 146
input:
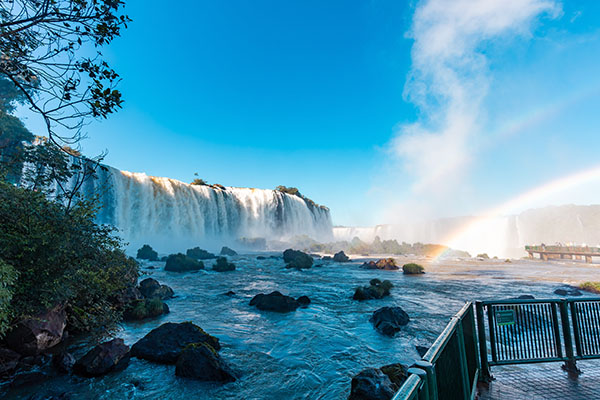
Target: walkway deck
column 543, row 382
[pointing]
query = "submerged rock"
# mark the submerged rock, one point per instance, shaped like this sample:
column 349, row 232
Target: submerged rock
column 304, row 301
column 340, row 257
column 384, row 263
column 376, row 290
column 28, row 378
column 147, row 253
column 568, row 291
column 297, row 259
column 145, row 308
column 9, row 360
column 389, row 320
column 104, row 358
column 165, row 343
column 63, row 362
column 275, row 301
column 222, row 265
column 182, row 263
column 150, row 288
column 413, row 269
column 200, row 361
column 199, row 254
column 371, row 384
column 261, row 257
column 229, row 293
column 34, row 335
column 226, row 251
column 397, row 373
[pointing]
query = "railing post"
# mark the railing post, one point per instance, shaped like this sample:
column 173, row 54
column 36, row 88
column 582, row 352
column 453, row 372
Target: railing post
column 570, row 365
column 485, row 375
column 462, row 355
column 431, row 378
column 424, row 391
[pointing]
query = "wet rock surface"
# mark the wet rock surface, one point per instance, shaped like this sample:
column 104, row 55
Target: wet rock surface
column 104, row 358
column 389, row 320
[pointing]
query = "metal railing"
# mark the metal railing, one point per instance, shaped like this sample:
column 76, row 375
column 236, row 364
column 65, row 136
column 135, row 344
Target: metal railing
column 450, row 368
column 518, row 331
column 563, row 249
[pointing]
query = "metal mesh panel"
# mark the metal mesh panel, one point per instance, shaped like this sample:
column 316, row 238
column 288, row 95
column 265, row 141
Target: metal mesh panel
column 525, row 332
column 447, row 368
column 586, row 320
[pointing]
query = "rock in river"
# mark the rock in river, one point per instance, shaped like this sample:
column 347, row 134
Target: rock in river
column 371, row 384
column 150, row 288
column 375, row 290
column 182, row 263
column 222, row 265
column 389, row 320
column 200, row 361
column 275, row 301
column 165, row 343
column 297, row 259
column 34, row 335
column 340, row 257
column 384, row 263
column 226, row 251
column 106, row 357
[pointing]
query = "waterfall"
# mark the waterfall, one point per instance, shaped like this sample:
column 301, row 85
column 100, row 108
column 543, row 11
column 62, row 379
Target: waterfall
column 171, row 215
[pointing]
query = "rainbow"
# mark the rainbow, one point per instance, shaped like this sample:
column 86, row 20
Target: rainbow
column 517, row 203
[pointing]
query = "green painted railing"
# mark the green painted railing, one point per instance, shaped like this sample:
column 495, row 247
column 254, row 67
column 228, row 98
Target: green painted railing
column 450, row 368
column 519, row 331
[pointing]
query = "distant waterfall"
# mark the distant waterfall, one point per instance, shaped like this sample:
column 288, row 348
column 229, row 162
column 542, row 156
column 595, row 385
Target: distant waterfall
column 172, row 215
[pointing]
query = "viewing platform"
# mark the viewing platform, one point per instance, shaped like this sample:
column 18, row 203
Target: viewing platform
column 559, row 251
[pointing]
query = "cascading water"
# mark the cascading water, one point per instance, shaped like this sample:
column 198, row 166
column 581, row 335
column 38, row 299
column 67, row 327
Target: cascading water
column 172, row 215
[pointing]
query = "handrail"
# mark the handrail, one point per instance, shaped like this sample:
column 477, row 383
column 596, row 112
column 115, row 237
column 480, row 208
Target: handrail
column 436, row 348
column 410, row 388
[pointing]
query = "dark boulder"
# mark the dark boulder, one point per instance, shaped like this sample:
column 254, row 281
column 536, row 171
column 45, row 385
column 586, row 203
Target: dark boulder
column 375, row 290
column 397, row 374
column 340, row 257
column 297, row 259
column 199, row 254
column 147, row 253
column 274, row 301
column 127, row 295
column 146, row 308
column 50, row 396
column 388, row 264
column 568, row 291
column 9, row 360
column 222, row 265
column 182, row 263
column 226, row 251
column 326, row 258
column 261, row 257
column 63, row 362
column 150, row 288
column 229, row 293
column 304, row 301
column 202, row 362
column 165, row 343
column 34, row 335
column 413, row 269
column 389, row 320
column 371, row 384
column 104, row 358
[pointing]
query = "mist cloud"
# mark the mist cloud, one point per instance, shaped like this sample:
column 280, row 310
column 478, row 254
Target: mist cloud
column 449, row 81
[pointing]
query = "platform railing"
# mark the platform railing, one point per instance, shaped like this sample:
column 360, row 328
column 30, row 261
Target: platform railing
column 450, row 368
column 519, row 331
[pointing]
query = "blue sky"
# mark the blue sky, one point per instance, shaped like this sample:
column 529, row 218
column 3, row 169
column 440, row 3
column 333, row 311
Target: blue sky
column 313, row 94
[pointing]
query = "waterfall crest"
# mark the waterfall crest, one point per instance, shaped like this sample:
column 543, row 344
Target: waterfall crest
column 172, row 215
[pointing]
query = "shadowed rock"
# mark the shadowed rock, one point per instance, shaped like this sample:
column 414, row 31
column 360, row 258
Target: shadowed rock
column 222, row 265
column 34, row 335
column 275, row 301
column 199, row 254
column 150, row 288
column 226, row 251
column 202, row 362
column 165, row 343
column 376, row 290
column 371, row 384
column 384, row 263
column 340, row 257
column 389, row 320
column 297, row 259
column 182, row 263
column 104, row 358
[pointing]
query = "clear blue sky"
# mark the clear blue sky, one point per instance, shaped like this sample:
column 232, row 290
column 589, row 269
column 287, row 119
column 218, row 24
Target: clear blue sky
column 312, row 93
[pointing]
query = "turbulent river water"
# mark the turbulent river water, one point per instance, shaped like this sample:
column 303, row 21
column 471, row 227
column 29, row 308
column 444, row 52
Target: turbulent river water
column 311, row 353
